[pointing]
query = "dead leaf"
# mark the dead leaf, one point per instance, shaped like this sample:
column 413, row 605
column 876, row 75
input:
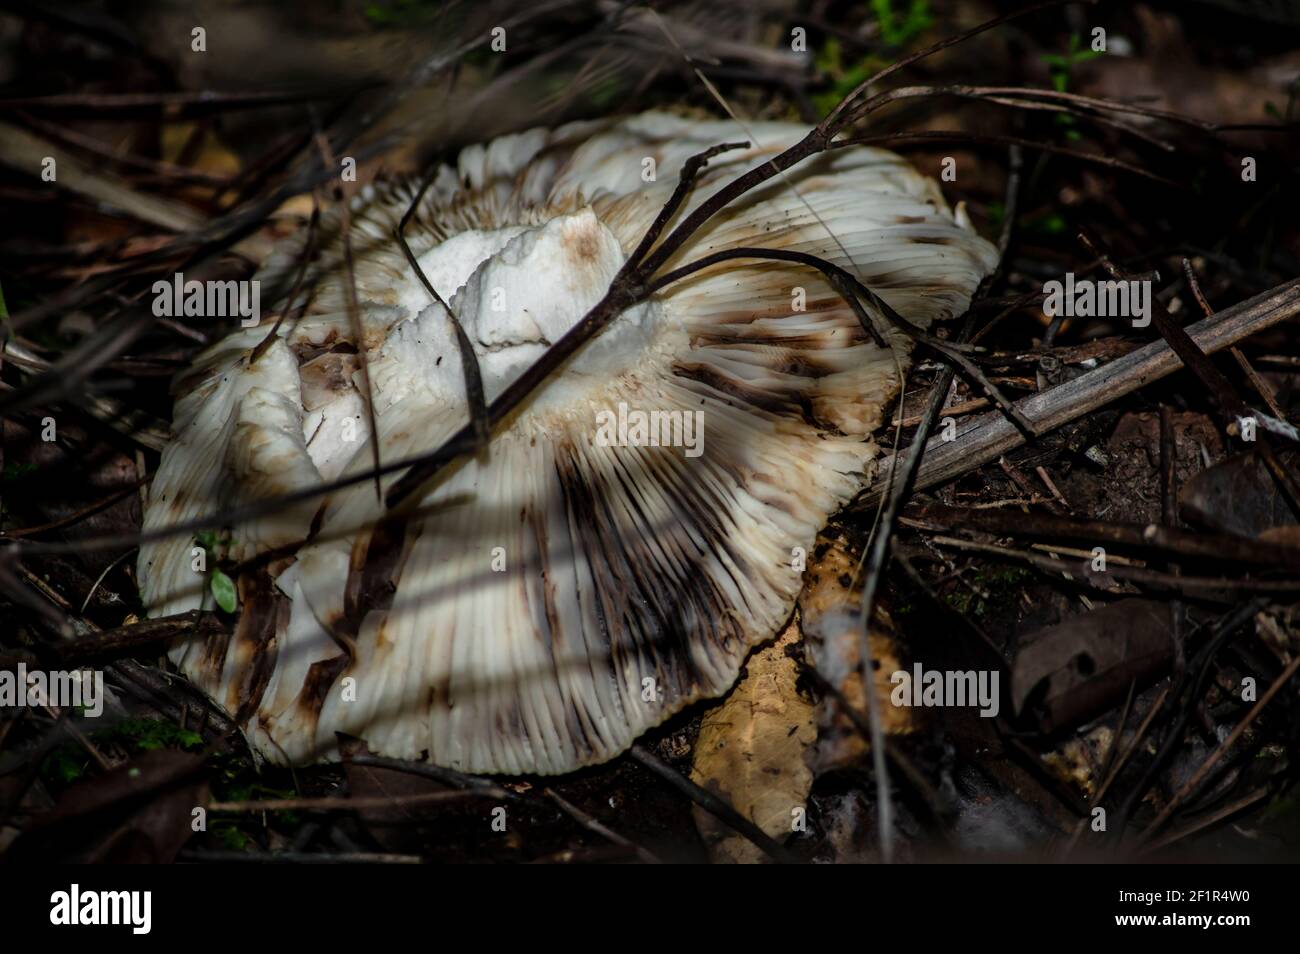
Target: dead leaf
column 1074, row 670
column 829, row 616
column 751, row 752
column 1238, row 496
column 139, row 812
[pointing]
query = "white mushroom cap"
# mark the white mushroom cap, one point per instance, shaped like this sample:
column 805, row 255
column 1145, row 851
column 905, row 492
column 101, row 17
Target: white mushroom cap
column 511, row 622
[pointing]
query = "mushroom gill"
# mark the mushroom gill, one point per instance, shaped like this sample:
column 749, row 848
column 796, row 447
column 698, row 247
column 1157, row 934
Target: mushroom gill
column 544, row 603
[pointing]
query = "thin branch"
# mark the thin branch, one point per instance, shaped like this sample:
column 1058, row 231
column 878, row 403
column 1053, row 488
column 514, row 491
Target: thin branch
column 468, row 359
column 989, row 436
column 712, row 804
column 1225, row 746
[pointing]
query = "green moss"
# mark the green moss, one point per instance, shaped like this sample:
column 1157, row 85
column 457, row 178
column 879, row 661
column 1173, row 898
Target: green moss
column 990, row 588
column 69, row 762
column 148, row 735
column 897, row 31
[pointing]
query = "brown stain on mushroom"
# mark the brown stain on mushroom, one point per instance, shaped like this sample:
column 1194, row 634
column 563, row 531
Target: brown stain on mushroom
column 787, row 403
column 264, row 614
column 321, row 676
column 377, row 559
column 582, row 244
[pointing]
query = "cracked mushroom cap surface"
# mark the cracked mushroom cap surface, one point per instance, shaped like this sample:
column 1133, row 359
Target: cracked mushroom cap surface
column 538, row 607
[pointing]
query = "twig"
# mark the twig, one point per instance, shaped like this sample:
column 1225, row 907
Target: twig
column 438, row 773
column 591, row 823
column 712, row 804
column 468, row 359
column 357, row 804
column 1217, row 547
column 1187, row 690
column 354, row 310
column 1202, row 823
column 299, row 857
column 989, row 436
column 944, row 135
column 1196, row 360
column 1224, row 747
column 1118, row 765
column 1203, row 586
column 308, row 253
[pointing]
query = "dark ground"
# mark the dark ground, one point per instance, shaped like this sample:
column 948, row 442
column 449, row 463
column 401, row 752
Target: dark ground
column 987, row 566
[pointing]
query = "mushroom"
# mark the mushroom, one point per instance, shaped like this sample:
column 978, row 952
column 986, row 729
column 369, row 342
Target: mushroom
column 546, row 601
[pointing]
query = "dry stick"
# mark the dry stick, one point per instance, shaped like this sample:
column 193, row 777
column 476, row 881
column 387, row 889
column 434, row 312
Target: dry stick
column 24, row 152
column 308, row 253
column 1202, row 823
column 1118, row 765
column 1224, row 747
column 468, row 359
column 356, row 804
column 76, row 516
column 354, row 307
column 711, row 803
column 1262, row 389
column 594, row 824
column 446, row 776
column 298, row 857
column 1206, row 546
column 155, row 103
column 1169, row 517
column 989, row 436
column 1259, row 384
column 876, row 556
column 685, row 182
column 167, row 170
column 1049, row 99
column 952, row 410
column 147, row 684
column 1276, row 426
column 1208, row 587
column 1198, row 363
column 956, row 135
column 134, row 635
column 1186, row 691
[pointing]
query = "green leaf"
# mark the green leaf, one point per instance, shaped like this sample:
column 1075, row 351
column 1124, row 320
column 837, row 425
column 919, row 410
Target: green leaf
column 223, row 591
